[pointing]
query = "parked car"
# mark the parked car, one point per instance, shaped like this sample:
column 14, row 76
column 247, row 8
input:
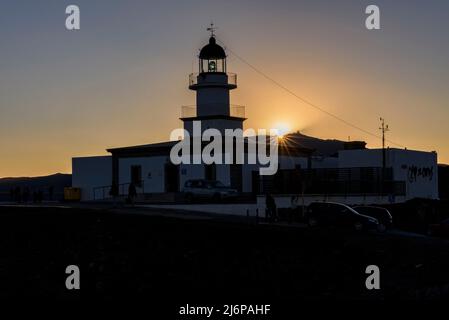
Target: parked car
column 207, row 189
column 339, row 215
column 381, row 214
column 439, row 229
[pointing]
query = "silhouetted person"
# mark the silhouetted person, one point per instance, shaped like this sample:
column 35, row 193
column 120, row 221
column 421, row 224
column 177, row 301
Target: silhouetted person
column 271, row 207
column 132, row 193
column 26, row 194
column 50, row 193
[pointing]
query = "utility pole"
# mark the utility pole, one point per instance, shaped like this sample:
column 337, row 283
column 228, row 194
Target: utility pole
column 384, row 128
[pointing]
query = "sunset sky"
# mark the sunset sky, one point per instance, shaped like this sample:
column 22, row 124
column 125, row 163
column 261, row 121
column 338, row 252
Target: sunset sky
column 122, row 79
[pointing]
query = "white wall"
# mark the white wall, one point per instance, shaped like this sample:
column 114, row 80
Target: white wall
column 190, row 171
column 224, row 174
column 91, row 172
column 219, row 124
column 419, row 170
column 404, row 164
column 247, row 170
column 197, row 171
column 153, row 172
column 324, row 162
column 285, row 163
column 212, row 100
column 288, row 163
column 360, row 158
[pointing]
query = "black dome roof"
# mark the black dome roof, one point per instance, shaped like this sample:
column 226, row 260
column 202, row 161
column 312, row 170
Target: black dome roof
column 212, row 50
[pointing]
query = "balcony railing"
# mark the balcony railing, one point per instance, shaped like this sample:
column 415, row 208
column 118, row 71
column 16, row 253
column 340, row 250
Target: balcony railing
column 334, row 181
column 234, row 111
column 104, row 192
column 195, row 78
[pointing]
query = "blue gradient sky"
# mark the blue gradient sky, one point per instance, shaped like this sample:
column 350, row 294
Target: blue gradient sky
column 122, row 78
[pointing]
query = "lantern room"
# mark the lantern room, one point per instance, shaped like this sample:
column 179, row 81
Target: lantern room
column 212, row 58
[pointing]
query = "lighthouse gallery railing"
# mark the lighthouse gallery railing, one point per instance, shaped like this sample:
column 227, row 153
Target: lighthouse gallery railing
column 232, row 78
column 234, row 110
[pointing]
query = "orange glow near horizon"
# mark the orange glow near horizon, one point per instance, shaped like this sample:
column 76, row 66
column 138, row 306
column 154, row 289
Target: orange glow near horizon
column 73, row 94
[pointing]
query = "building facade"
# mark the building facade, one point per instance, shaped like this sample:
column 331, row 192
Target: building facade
column 357, row 172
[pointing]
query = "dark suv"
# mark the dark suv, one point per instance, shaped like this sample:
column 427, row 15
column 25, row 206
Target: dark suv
column 339, row 215
column 381, row 214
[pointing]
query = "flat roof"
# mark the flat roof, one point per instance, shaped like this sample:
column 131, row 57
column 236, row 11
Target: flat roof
column 163, row 148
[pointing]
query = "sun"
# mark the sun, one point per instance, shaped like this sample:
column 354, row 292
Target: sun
column 282, row 129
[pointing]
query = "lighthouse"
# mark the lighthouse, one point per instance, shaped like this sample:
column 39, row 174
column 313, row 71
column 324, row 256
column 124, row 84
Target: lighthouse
column 212, row 85
column 150, row 167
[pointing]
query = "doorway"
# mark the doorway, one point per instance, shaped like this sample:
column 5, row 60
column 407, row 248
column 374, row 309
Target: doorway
column 210, row 171
column 236, row 176
column 171, row 177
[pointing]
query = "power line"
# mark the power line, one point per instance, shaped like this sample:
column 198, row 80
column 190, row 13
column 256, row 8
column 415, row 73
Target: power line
column 306, row 101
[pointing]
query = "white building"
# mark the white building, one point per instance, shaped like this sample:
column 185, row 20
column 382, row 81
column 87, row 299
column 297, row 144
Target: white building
column 417, row 169
column 149, row 166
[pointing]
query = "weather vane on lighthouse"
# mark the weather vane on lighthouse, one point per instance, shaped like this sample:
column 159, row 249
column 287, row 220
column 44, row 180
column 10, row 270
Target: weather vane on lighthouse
column 212, row 29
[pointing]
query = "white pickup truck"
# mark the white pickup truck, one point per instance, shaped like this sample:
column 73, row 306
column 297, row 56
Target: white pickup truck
column 207, row 189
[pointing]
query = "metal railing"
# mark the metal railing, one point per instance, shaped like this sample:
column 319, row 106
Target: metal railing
column 234, row 111
column 334, row 188
column 195, row 78
column 104, row 192
column 333, row 181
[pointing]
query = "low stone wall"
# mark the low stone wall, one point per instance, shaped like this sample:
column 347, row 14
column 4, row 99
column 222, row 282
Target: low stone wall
column 284, row 200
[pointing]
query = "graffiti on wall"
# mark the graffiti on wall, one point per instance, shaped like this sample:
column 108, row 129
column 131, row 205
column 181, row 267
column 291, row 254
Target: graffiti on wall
column 415, row 172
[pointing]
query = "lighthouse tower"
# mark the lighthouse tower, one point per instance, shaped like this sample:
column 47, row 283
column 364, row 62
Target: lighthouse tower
column 212, row 85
